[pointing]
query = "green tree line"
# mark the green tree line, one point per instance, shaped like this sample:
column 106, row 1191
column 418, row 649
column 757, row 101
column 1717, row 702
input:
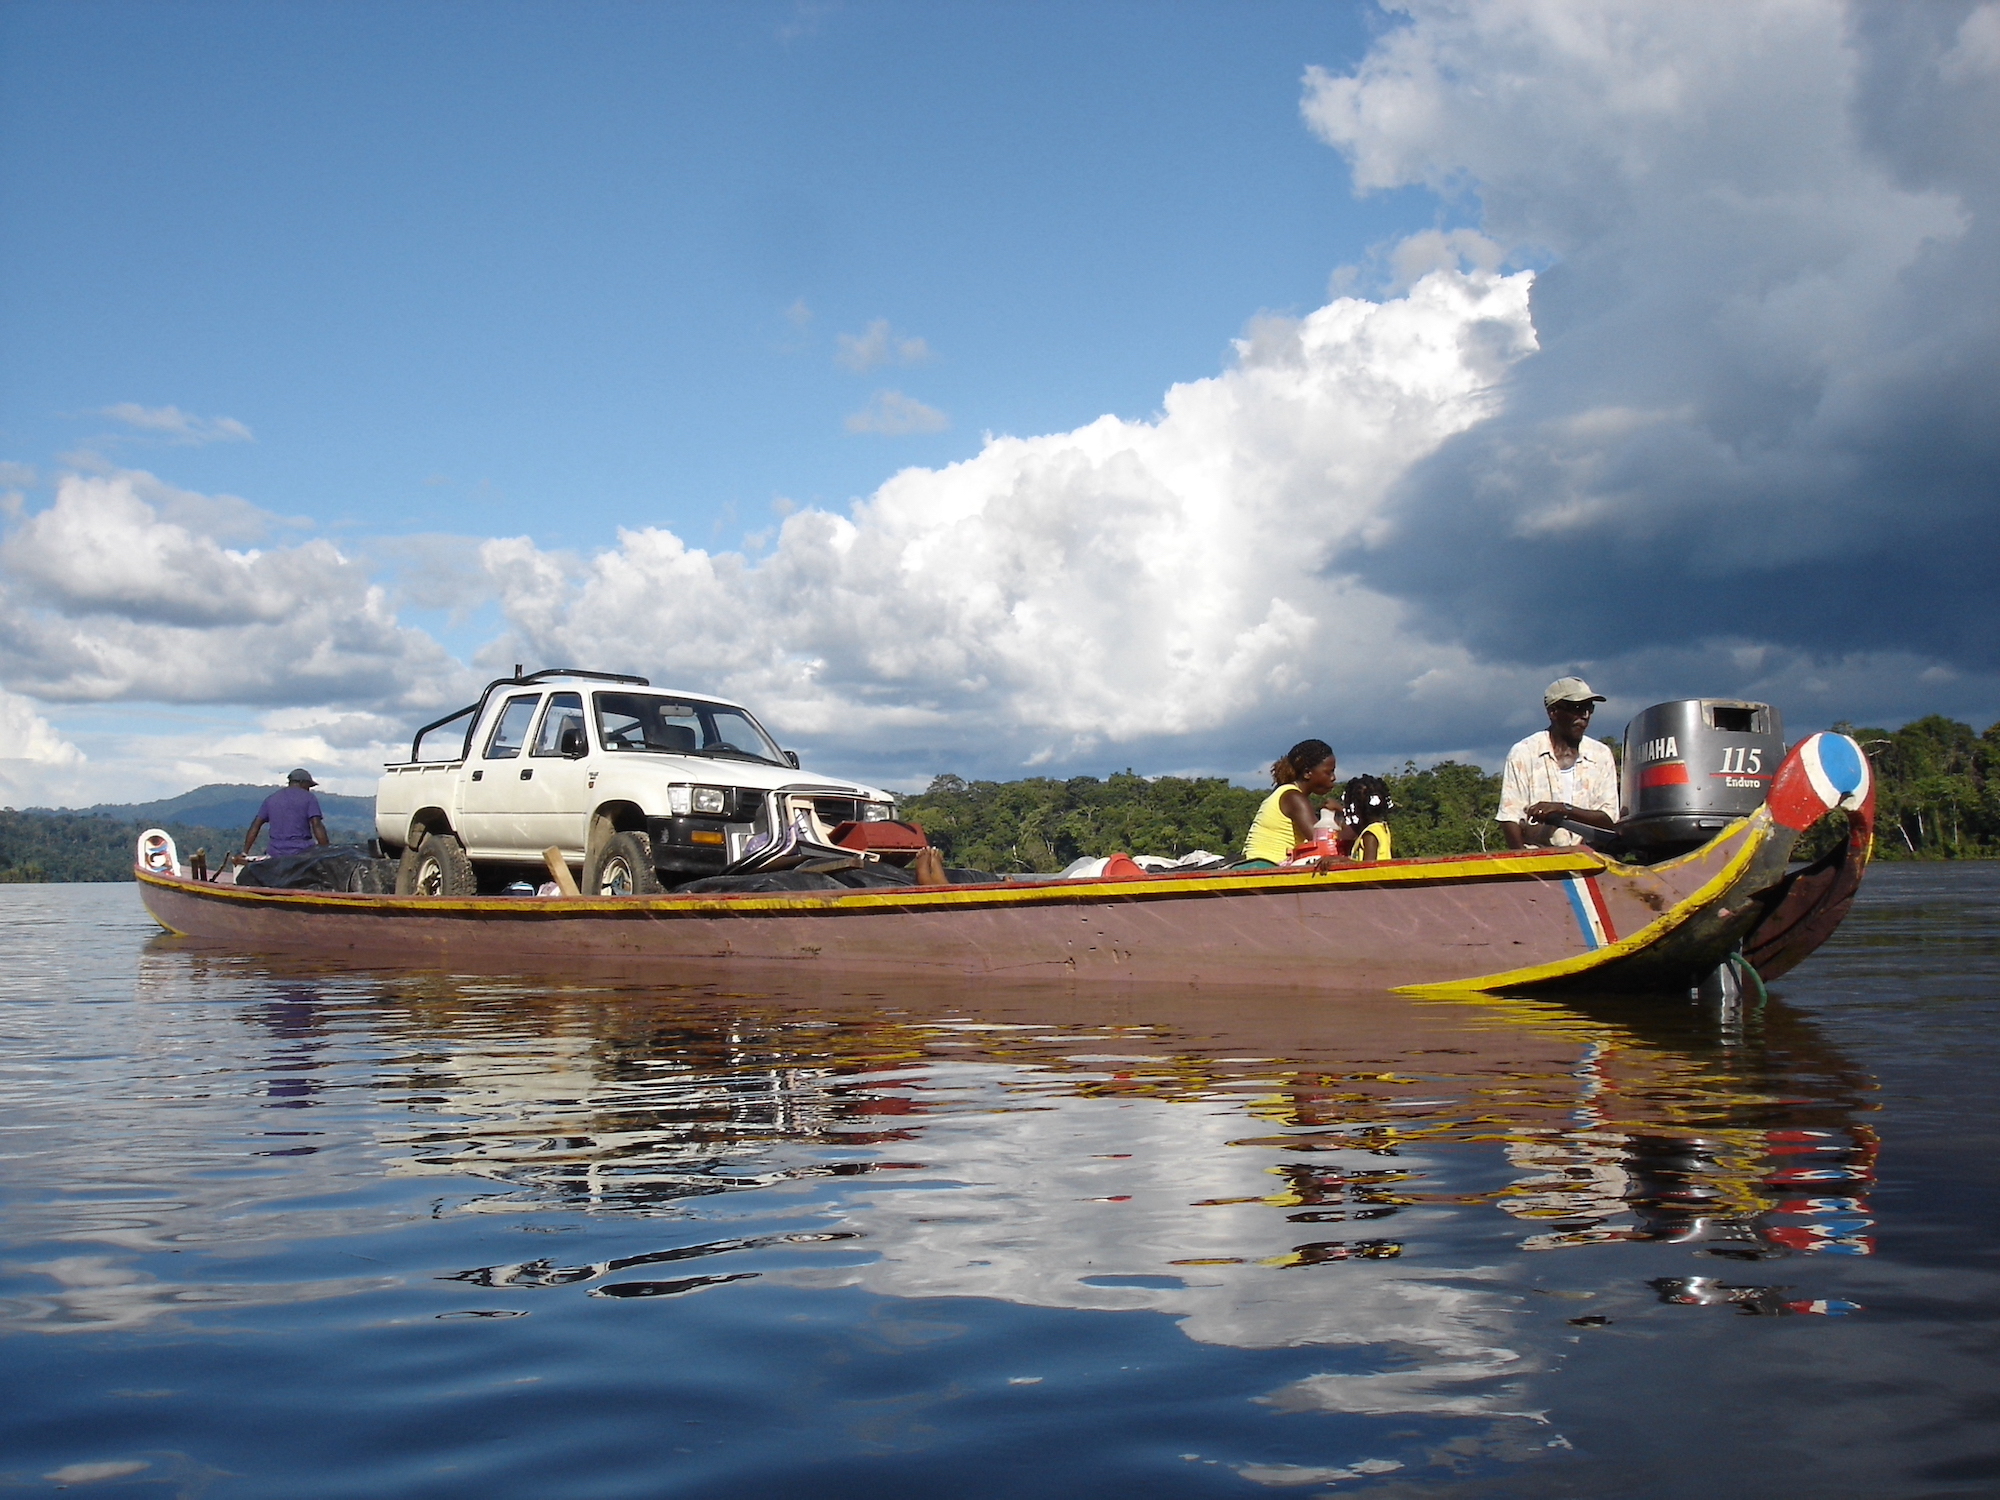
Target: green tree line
column 1937, row 796
column 1937, row 789
column 1041, row 823
column 67, row 846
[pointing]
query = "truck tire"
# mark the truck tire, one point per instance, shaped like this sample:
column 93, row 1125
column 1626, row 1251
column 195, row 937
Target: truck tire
column 623, row 866
column 437, row 866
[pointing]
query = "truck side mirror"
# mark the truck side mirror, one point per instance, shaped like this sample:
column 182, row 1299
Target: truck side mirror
column 791, row 758
column 573, row 744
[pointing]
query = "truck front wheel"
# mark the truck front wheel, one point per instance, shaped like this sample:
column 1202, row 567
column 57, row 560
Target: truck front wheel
column 623, row 867
column 436, row 867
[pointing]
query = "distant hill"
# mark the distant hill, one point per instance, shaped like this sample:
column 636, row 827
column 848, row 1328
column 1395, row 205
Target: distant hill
column 228, row 805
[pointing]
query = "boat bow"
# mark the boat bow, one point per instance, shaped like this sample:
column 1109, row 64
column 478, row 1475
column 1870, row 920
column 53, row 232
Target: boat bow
column 1744, row 898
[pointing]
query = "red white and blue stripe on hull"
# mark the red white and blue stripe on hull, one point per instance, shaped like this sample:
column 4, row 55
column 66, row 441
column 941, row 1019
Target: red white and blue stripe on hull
column 1587, row 901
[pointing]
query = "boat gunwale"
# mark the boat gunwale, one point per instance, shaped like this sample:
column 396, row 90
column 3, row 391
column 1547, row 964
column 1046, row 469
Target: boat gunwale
column 1444, row 869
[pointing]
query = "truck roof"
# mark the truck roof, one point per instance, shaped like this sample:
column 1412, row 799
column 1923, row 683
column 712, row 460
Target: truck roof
column 593, row 679
column 566, row 676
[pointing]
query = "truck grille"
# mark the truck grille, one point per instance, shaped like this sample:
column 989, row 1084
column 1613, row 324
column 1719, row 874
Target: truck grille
column 833, row 811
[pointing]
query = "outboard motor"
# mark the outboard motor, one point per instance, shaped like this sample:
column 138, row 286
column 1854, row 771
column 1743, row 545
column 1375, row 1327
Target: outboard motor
column 1692, row 768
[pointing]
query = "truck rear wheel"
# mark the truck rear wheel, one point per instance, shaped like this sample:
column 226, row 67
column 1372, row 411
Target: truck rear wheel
column 623, row 867
column 436, row 867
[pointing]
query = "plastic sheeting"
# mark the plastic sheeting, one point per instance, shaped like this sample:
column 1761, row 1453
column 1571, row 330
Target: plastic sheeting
column 335, row 867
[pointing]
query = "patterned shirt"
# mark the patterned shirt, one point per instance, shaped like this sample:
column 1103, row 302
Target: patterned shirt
column 1532, row 776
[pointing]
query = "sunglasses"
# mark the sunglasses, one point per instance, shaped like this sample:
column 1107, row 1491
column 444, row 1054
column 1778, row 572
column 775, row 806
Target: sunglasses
column 1586, row 709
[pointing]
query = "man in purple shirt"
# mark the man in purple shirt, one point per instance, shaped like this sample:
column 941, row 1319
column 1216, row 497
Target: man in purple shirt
column 294, row 816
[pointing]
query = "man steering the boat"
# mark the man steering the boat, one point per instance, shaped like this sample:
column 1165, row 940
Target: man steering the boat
column 294, row 816
column 1560, row 774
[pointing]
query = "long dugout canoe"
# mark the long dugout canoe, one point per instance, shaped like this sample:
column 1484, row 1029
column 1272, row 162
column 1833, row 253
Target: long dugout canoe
column 1517, row 921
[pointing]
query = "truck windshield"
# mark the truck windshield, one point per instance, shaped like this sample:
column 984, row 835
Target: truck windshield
column 681, row 726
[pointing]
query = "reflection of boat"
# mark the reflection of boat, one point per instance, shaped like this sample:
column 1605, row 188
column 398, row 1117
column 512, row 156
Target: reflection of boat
column 1616, row 1120
column 1356, row 1177
column 1525, row 920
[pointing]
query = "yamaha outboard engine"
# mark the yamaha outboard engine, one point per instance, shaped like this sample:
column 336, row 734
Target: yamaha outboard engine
column 1694, row 767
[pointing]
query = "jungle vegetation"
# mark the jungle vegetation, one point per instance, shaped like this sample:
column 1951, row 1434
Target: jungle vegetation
column 1937, row 793
column 39, row 845
column 71, row 846
column 1937, row 797
column 1042, row 824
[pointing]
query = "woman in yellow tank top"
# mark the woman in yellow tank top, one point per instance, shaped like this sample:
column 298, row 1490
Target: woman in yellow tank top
column 1285, row 820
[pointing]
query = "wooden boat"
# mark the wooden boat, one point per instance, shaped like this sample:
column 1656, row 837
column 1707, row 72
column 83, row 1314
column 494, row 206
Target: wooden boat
column 1522, row 921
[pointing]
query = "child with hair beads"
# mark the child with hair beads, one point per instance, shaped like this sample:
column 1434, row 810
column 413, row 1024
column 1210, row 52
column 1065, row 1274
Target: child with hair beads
column 1365, row 807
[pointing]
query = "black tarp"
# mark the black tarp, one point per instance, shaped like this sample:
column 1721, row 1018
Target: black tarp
column 334, row 867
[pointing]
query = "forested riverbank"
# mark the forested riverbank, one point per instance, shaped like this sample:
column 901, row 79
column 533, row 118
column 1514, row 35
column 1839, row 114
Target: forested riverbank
column 96, row 843
column 39, row 845
column 1937, row 797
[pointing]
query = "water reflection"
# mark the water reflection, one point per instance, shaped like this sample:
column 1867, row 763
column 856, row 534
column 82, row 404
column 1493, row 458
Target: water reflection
column 1375, row 1177
column 1366, row 1235
column 609, row 1234
column 1608, row 1127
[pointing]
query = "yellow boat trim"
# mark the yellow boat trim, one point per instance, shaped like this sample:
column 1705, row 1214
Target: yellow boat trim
column 1451, row 868
column 1754, row 840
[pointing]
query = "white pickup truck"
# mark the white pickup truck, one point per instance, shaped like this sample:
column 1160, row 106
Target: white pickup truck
column 639, row 787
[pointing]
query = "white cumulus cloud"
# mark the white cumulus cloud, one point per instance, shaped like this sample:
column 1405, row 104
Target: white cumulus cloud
column 1768, row 330
column 103, row 597
column 37, row 765
column 1131, row 583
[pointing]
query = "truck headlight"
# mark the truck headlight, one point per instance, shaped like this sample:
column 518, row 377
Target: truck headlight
column 710, row 799
column 878, row 812
column 678, row 800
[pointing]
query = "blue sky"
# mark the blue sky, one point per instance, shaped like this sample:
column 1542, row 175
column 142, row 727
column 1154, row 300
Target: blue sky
column 577, row 266
column 991, row 389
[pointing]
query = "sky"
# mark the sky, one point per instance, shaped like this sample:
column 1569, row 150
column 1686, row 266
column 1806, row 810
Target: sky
column 995, row 390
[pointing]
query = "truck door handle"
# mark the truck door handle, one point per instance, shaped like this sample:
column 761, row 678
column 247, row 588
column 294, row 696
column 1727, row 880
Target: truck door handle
column 477, row 774
column 528, row 774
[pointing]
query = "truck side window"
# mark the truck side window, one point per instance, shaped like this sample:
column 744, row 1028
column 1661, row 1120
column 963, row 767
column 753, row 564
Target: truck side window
column 511, row 733
column 563, row 718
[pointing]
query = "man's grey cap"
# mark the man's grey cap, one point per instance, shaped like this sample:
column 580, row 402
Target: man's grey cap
column 304, row 777
column 1569, row 690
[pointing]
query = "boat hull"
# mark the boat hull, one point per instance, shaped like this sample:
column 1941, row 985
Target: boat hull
column 1520, row 921
column 1514, row 921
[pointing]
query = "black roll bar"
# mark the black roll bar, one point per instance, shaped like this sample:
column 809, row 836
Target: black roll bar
column 517, row 680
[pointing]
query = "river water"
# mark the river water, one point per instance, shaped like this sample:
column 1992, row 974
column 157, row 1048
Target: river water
column 284, row 1229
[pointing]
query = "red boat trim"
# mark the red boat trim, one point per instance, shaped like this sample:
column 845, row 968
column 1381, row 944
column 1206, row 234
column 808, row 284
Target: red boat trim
column 1603, row 913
